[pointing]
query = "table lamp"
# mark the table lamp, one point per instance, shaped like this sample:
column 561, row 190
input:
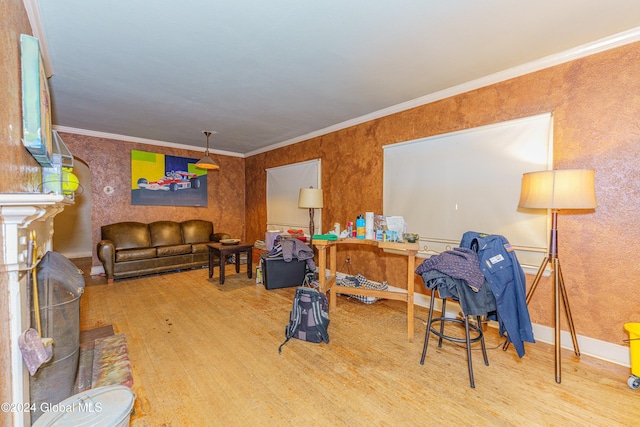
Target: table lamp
column 310, row 198
column 557, row 190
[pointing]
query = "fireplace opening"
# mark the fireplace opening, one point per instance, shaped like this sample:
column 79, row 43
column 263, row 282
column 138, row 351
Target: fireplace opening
column 60, row 285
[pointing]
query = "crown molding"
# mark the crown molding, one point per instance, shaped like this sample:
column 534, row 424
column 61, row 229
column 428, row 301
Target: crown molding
column 126, row 138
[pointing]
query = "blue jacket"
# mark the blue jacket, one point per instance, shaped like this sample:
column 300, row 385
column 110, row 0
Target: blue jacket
column 506, row 278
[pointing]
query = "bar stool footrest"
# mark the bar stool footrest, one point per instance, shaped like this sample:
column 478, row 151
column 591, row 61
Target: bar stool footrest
column 463, row 340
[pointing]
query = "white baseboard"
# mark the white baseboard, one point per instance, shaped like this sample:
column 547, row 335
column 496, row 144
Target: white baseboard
column 614, row 353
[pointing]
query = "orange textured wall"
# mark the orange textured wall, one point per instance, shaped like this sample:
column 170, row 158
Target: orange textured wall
column 110, row 165
column 596, row 106
column 19, row 172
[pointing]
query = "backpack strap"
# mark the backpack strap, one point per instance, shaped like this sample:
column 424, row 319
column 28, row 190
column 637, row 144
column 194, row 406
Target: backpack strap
column 285, row 341
column 294, row 321
column 317, row 316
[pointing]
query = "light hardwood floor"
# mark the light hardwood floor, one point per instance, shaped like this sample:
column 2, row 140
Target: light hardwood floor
column 207, row 354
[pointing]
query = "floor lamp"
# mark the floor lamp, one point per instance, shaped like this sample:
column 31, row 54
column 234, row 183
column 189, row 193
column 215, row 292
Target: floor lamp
column 557, row 190
column 310, row 198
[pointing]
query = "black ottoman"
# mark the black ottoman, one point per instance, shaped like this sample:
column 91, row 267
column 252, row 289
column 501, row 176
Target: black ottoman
column 277, row 273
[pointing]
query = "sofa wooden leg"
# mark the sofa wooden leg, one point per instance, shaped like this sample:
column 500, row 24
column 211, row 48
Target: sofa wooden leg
column 109, row 281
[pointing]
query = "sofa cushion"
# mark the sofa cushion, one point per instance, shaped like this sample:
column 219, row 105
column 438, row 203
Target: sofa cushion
column 165, row 233
column 173, row 250
column 196, row 231
column 135, row 254
column 127, row 235
column 200, row 248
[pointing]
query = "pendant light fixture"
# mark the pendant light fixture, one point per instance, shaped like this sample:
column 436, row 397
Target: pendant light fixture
column 206, row 162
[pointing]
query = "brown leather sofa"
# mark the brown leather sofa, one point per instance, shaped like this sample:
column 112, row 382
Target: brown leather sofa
column 130, row 249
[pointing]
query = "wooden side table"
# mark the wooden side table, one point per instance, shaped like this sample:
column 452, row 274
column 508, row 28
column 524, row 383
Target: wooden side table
column 329, row 286
column 225, row 250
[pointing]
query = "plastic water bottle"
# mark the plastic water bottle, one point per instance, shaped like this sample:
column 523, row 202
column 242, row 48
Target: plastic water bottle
column 360, row 227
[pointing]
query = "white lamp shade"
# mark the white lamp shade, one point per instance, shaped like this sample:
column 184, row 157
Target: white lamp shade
column 558, row 189
column 310, row 198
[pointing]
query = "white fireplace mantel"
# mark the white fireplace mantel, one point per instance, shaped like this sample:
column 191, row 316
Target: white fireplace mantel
column 20, row 215
column 18, row 211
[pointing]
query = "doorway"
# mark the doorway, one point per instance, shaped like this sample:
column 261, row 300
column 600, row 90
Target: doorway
column 72, row 235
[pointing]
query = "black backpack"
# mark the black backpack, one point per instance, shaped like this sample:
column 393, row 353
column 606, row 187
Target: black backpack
column 309, row 317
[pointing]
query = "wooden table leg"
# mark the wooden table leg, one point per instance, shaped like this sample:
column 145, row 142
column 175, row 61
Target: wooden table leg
column 210, row 262
column 333, row 299
column 410, row 292
column 223, row 259
column 322, row 266
column 249, row 262
column 237, row 257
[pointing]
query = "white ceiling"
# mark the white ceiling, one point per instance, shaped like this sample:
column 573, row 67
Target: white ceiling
column 268, row 73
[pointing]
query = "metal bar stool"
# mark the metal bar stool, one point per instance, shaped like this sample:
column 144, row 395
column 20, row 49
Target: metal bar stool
column 468, row 328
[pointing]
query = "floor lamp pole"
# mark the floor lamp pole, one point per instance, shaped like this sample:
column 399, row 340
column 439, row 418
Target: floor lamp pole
column 558, row 289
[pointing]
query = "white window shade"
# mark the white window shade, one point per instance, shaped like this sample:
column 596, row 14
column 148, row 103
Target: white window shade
column 470, row 181
column 283, row 187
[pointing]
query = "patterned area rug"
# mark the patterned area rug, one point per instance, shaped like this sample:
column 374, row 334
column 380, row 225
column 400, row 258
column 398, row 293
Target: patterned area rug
column 111, row 365
column 104, row 360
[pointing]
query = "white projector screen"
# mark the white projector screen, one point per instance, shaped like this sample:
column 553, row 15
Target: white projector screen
column 283, row 187
column 470, row 180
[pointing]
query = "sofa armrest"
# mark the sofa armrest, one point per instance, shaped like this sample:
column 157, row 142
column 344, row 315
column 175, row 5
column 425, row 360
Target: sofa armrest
column 216, row 237
column 107, row 255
